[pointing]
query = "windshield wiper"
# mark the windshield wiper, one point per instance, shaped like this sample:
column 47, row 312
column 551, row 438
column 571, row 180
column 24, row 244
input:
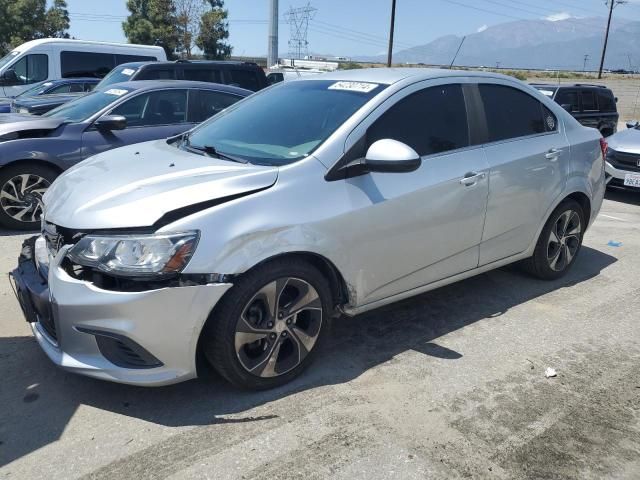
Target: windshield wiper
column 209, row 150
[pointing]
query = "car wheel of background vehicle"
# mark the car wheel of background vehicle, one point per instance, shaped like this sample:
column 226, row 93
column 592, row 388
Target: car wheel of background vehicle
column 268, row 327
column 21, row 191
column 559, row 242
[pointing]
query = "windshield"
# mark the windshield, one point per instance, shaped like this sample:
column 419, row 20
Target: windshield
column 7, row 58
column 284, row 123
column 117, row 75
column 35, row 90
column 546, row 90
column 83, row 107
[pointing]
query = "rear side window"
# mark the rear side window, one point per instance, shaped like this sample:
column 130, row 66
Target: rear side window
column 86, row 64
column 207, row 103
column 244, row 79
column 569, row 97
column 589, row 103
column 120, row 59
column 432, row 120
column 157, row 74
column 606, row 101
column 202, row 75
column 512, row 113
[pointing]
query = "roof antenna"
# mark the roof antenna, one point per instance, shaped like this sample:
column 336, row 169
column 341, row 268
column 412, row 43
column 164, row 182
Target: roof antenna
column 457, row 51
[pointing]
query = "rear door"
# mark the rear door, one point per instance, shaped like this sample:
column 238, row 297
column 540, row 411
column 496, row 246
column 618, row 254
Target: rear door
column 528, row 156
column 204, row 104
column 150, row 116
column 431, row 218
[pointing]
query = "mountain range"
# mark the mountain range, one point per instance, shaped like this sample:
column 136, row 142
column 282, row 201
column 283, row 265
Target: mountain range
column 539, row 44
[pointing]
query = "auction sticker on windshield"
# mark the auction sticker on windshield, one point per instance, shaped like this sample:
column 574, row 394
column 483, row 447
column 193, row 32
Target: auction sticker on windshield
column 128, row 71
column 116, row 91
column 362, row 87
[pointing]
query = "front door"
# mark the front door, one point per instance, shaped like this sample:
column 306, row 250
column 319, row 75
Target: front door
column 150, row 116
column 528, row 158
column 411, row 229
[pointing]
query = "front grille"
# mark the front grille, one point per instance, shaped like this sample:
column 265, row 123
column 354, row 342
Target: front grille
column 624, row 161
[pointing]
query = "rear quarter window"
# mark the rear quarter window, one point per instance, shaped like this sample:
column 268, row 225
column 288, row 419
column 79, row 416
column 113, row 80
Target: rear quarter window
column 244, row 79
column 606, row 101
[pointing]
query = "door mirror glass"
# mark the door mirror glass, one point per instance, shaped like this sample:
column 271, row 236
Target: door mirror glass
column 111, row 122
column 389, row 155
column 633, row 124
column 9, row 78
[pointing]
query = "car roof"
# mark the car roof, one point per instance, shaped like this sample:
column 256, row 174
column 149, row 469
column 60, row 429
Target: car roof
column 571, row 85
column 157, row 84
column 73, row 80
column 389, row 76
column 189, row 62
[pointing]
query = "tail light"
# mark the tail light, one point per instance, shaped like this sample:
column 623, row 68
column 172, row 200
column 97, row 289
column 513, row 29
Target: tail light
column 604, row 146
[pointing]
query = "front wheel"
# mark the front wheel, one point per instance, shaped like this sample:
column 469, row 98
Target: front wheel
column 268, row 327
column 21, row 191
column 559, row 242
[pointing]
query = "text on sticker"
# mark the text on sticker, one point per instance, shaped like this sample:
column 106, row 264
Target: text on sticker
column 127, row 71
column 362, row 87
column 115, row 91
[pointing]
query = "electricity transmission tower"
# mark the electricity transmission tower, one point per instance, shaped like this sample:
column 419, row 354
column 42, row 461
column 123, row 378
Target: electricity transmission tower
column 584, row 64
column 298, row 20
column 611, row 4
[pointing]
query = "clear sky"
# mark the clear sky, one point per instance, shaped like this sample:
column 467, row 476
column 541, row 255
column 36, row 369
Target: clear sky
column 352, row 27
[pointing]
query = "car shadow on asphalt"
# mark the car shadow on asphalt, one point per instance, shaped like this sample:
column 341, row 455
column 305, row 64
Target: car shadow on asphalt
column 632, row 197
column 38, row 399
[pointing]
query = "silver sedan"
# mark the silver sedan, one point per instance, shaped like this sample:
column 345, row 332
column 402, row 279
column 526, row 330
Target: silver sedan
column 325, row 196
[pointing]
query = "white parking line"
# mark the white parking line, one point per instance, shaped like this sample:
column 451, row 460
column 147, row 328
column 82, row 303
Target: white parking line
column 611, row 216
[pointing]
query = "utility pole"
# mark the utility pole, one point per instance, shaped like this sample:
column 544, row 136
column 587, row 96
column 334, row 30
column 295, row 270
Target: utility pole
column 611, row 4
column 272, row 56
column 457, row 52
column 391, row 28
column 586, row 59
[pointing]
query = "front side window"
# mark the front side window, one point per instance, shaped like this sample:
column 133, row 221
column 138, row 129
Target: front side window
column 165, row 107
column 244, row 79
column 286, row 122
column 85, row 64
column 512, row 113
column 589, row 103
column 433, row 120
column 60, row 89
column 31, row 69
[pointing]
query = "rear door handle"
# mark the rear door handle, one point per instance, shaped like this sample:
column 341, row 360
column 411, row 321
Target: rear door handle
column 553, row 154
column 472, row 178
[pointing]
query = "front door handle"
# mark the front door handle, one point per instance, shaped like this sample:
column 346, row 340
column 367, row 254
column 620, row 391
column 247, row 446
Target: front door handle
column 472, row 178
column 553, row 154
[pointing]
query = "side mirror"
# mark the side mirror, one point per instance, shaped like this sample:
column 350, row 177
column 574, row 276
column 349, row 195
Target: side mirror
column 111, row 122
column 633, row 124
column 9, row 78
column 567, row 107
column 391, row 156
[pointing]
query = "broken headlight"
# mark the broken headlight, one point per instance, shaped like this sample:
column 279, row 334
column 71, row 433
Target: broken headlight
column 136, row 255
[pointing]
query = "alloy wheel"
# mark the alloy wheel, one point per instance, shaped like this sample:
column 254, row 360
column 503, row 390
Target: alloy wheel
column 564, row 240
column 21, row 197
column 278, row 327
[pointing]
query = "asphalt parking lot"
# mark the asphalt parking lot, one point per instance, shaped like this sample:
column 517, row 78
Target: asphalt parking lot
column 449, row 384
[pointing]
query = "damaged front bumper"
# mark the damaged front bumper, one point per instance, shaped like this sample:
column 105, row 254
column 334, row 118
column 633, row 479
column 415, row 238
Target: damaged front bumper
column 144, row 337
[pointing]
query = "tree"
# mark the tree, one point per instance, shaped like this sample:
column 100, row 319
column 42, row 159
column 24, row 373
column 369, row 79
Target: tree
column 213, row 31
column 188, row 13
column 152, row 22
column 24, row 20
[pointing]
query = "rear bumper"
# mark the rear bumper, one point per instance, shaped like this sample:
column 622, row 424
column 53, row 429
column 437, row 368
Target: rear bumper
column 108, row 334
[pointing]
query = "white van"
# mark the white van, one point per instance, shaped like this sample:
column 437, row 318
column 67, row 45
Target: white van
column 53, row 58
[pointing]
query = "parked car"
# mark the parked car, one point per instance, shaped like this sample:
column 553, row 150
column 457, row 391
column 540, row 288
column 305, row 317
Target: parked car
column 623, row 157
column 246, row 75
column 35, row 150
column 286, row 74
column 342, row 192
column 592, row 105
column 41, row 104
column 61, row 86
column 51, row 58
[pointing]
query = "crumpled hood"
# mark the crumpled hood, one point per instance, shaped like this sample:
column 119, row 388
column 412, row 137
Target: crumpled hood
column 627, row 141
column 135, row 186
column 16, row 122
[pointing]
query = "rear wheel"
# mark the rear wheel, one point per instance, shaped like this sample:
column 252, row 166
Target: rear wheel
column 21, row 191
column 268, row 327
column 559, row 242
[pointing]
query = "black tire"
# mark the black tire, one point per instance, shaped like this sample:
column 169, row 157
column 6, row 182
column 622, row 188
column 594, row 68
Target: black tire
column 221, row 332
column 31, row 195
column 541, row 264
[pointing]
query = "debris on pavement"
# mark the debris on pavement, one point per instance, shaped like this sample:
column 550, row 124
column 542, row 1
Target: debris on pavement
column 613, row 243
column 550, row 372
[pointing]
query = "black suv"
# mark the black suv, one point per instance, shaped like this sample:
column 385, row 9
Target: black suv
column 592, row 105
column 245, row 75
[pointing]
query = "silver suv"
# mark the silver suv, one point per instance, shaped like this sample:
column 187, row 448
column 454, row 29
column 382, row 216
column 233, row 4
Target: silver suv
column 329, row 195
